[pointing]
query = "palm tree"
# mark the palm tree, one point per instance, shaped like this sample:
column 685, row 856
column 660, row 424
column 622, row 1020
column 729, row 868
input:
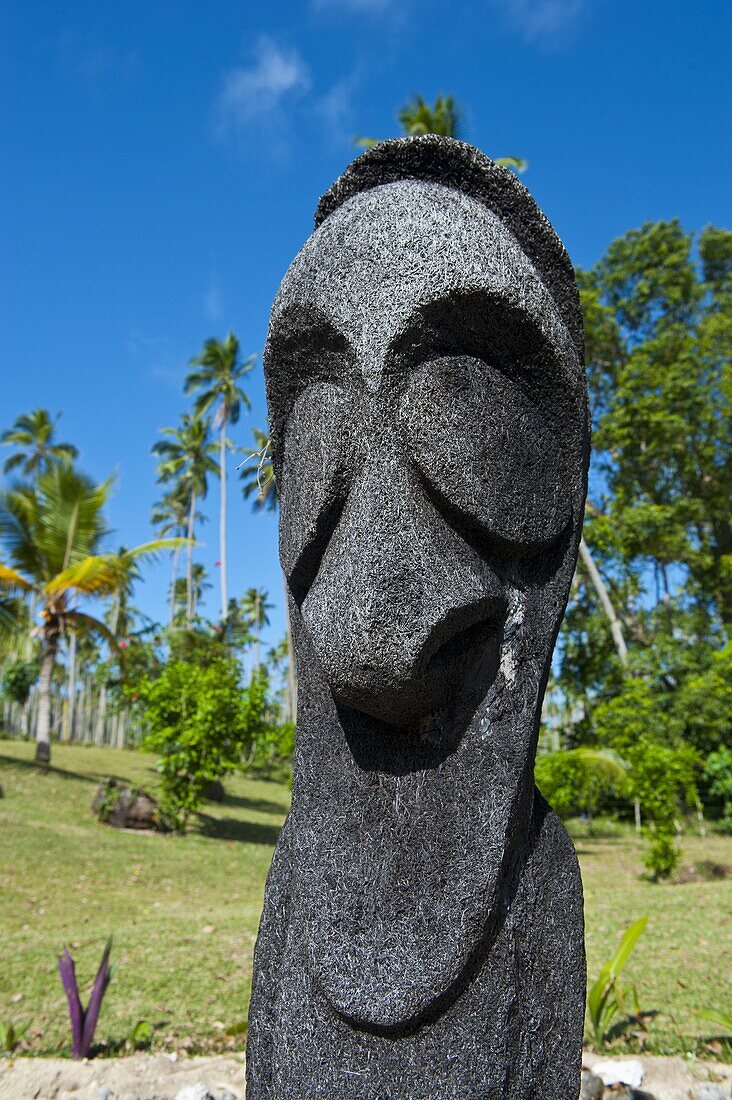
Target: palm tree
column 52, row 533
column 199, row 586
column 32, row 433
column 255, row 607
column 417, row 117
column 186, row 457
column 259, row 481
column 217, row 383
column 169, row 516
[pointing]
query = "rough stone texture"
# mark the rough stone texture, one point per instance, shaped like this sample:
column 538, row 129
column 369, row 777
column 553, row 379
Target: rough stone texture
column 422, row 931
column 125, row 807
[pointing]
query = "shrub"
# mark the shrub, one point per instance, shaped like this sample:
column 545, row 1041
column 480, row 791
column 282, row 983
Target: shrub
column 663, row 777
column 718, row 773
column 579, row 781
column 18, row 679
column 203, row 724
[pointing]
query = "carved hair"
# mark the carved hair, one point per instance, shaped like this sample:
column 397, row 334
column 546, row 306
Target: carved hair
column 461, row 167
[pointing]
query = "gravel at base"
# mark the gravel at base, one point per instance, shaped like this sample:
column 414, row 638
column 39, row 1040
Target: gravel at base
column 137, row 1077
column 162, row 1077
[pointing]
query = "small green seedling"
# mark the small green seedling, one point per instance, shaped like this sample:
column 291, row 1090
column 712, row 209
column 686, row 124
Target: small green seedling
column 606, row 997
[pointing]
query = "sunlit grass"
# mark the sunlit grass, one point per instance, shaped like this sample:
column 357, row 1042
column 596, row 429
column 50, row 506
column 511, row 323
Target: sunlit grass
column 184, row 910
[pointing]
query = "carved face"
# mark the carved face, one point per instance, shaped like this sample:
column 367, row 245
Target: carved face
column 424, row 397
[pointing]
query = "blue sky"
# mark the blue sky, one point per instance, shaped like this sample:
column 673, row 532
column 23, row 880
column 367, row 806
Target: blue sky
column 162, row 160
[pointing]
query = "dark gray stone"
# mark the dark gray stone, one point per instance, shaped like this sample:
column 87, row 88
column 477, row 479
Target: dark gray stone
column 592, row 1086
column 422, row 931
column 125, row 807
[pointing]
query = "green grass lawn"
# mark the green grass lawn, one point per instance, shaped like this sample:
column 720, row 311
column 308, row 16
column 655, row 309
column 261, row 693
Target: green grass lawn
column 184, row 910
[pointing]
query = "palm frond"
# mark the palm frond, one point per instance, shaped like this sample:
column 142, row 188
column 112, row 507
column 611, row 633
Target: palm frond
column 81, row 621
column 11, row 579
column 96, row 575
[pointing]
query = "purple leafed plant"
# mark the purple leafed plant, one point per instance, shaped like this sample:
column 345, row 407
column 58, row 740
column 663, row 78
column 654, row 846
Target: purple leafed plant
column 84, row 1021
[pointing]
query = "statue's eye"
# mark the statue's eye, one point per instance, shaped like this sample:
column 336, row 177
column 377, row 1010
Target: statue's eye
column 487, row 451
column 318, row 460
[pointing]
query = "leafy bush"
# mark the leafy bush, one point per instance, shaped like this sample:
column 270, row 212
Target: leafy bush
column 18, row 679
column 662, row 767
column 718, row 774
column 578, row 781
column 663, row 776
column 203, row 724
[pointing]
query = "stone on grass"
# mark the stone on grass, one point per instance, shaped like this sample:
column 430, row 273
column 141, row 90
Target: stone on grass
column 422, row 933
column 198, row 1091
column 620, row 1072
column 126, row 807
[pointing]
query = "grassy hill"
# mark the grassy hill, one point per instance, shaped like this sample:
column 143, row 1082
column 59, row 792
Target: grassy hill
column 184, row 910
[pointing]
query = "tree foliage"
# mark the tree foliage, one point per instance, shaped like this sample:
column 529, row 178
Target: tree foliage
column 203, row 723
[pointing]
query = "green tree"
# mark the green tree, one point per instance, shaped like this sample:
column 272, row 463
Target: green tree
column 217, row 381
column 169, row 516
column 416, row 117
column 255, row 606
column 659, row 359
column 203, row 723
column 52, row 533
column 33, row 436
column 259, row 483
column 186, row 458
column 658, row 326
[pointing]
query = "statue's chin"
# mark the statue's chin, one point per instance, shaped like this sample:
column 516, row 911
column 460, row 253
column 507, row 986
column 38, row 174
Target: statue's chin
column 403, row 889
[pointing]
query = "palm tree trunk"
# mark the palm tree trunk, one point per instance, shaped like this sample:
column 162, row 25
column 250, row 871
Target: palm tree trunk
column 173, row 579
column 258, row 627
column 189, row 561
column 222, row 523
column 43, row 726
column 103, row 694
column 70, row 689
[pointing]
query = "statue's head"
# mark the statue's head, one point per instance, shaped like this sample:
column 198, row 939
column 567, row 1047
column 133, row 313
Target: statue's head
column 428, row 414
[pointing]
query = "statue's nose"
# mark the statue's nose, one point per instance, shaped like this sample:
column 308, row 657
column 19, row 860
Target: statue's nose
column 394, row 584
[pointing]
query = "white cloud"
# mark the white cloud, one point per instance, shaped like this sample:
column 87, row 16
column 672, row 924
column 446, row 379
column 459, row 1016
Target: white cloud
column 213, row 302
column 545, row 22
column 255, row 94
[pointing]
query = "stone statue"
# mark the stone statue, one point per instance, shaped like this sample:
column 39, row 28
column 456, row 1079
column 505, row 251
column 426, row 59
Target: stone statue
column 422, row 933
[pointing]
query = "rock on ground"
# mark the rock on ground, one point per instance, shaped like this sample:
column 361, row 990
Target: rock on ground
column 221, row 1077
column 673, row 1078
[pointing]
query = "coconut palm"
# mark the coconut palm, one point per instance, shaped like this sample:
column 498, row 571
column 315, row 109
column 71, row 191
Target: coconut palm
column 186, row 457
column 259, row 481
column 199, row 586
column 217, row 383
column 169, row 516
column 52, row 534
column 32, row 435
column 255, row 607
column 417, row 117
